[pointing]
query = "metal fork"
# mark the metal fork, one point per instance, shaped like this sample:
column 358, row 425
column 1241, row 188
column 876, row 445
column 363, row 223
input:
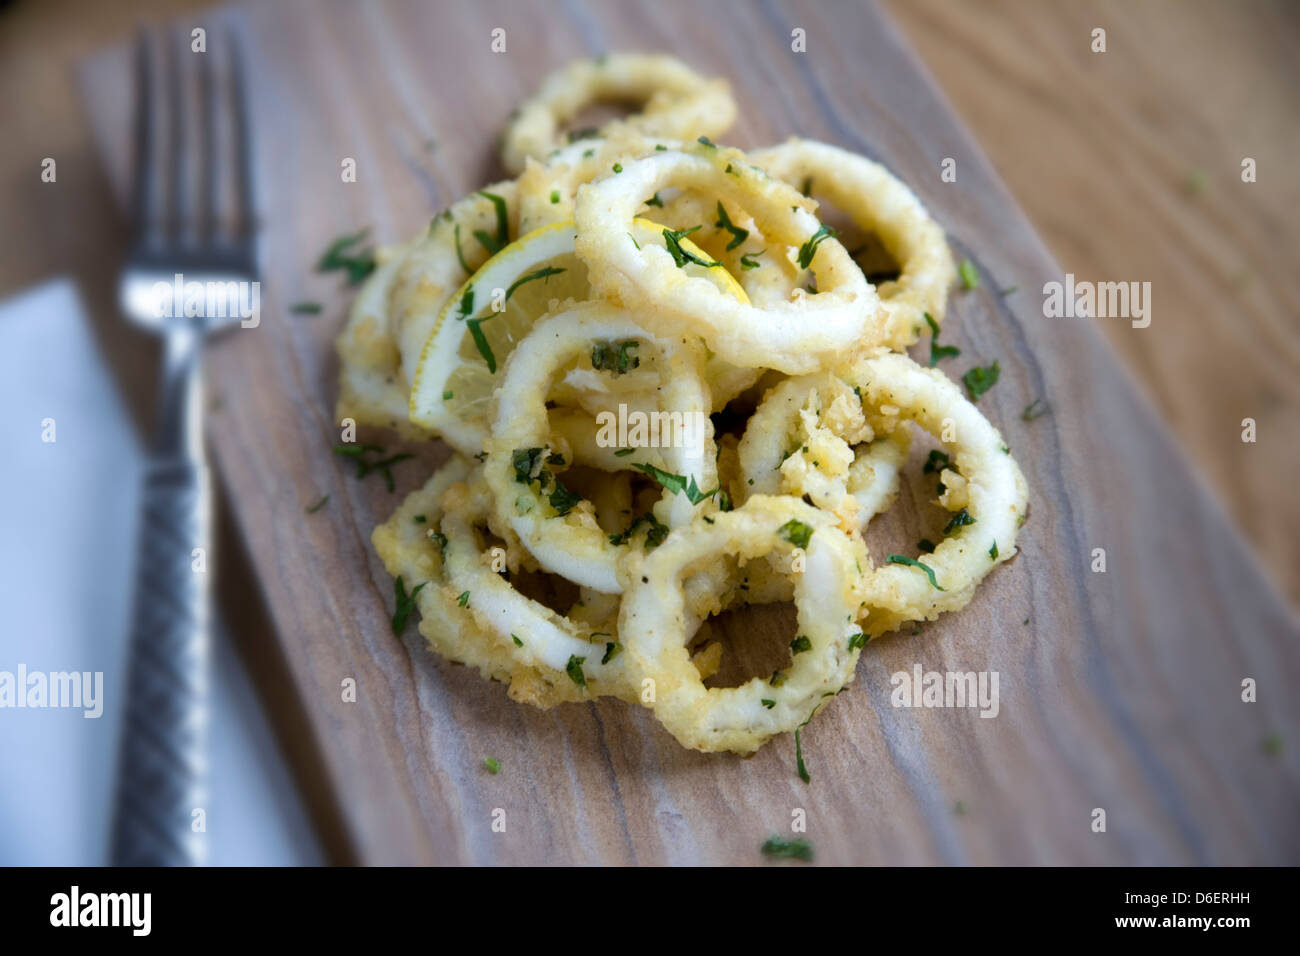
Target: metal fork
column 177, row 231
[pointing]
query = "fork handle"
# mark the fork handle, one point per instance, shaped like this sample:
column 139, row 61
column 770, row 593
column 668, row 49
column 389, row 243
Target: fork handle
column 160, row 777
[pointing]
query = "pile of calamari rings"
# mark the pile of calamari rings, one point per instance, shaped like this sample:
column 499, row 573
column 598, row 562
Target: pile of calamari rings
column 559, row 565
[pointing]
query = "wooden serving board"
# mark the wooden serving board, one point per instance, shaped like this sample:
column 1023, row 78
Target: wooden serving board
column 1118, row 690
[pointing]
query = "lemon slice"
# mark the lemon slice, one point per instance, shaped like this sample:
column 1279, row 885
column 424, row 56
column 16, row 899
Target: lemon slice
column 490, row 314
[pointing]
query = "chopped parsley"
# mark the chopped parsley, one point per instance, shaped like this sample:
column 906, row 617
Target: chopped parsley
column 438, row 538
column 481, row 343
column 970, row 277
column 463, row 598
column 448, row 395
column 798, row 748
column 405, row 603
column 959, row 520
column 612, row 650
column 518, row 642
column 618, row 167
column 615, row 357
column 677, row 484
column 796, row 532
column 925, row 545
column 980, row 379
column 808, row 251
column 656, row 536
column 365, row 465
column 912, row 562
column 492, row 765
column 562, row 499
column 672, row 240
column 343, row 256
column 574, row 670
column 624, row 452
column 526, row 462
column 806, row 188
column 705, row 141
column 1035, row 409
column 555, row 196
column 306, row 308
column 858, row 641
column 788, row 849
column 494, row 244
column 750, row 259
column 800, row 644
column 318, row 505
column 938, row 351
column 738, row 235
column 466, row 302
column 993, row 551
column 655, row 201
column 544, row 273
column 766, row 702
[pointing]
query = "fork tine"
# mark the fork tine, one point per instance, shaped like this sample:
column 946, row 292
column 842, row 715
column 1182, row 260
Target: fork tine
column 180, row 207
column 143, row 183
column 244, row 191
column 208, row 212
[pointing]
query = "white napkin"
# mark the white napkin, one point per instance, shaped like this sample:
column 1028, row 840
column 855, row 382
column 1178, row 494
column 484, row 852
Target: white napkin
column 69, row 516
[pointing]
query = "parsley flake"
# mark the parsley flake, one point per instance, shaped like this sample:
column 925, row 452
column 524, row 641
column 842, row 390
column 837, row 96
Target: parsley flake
column 405, row 603
column 912, row 562
column 796, row 532
column 980, row 379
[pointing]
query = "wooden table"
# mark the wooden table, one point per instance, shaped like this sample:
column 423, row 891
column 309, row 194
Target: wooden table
column 1121, row 692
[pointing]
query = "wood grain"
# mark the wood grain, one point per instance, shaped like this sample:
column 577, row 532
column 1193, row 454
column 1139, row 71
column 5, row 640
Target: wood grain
column 1122, row 691
column 1129, row 163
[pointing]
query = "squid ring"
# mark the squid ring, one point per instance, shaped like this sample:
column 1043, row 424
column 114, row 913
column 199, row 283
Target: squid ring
column 678, row 102
column 656, row 623
column 568, row 540
column 577, row 659
column 878, row 202
column 794, row 337
column 409, row 545
column 984, row 486
column 800, row 439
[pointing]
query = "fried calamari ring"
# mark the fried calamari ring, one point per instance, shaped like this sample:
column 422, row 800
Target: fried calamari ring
column 577, row 659
column 547, row 193
column 520, row 467
column 677, row 102
column 656, row 624
column 879, row 203
column 985, row 488
column 372, row 390
column 410, row 549
column 795, row 337
column 547, row 189
column 800, row 441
